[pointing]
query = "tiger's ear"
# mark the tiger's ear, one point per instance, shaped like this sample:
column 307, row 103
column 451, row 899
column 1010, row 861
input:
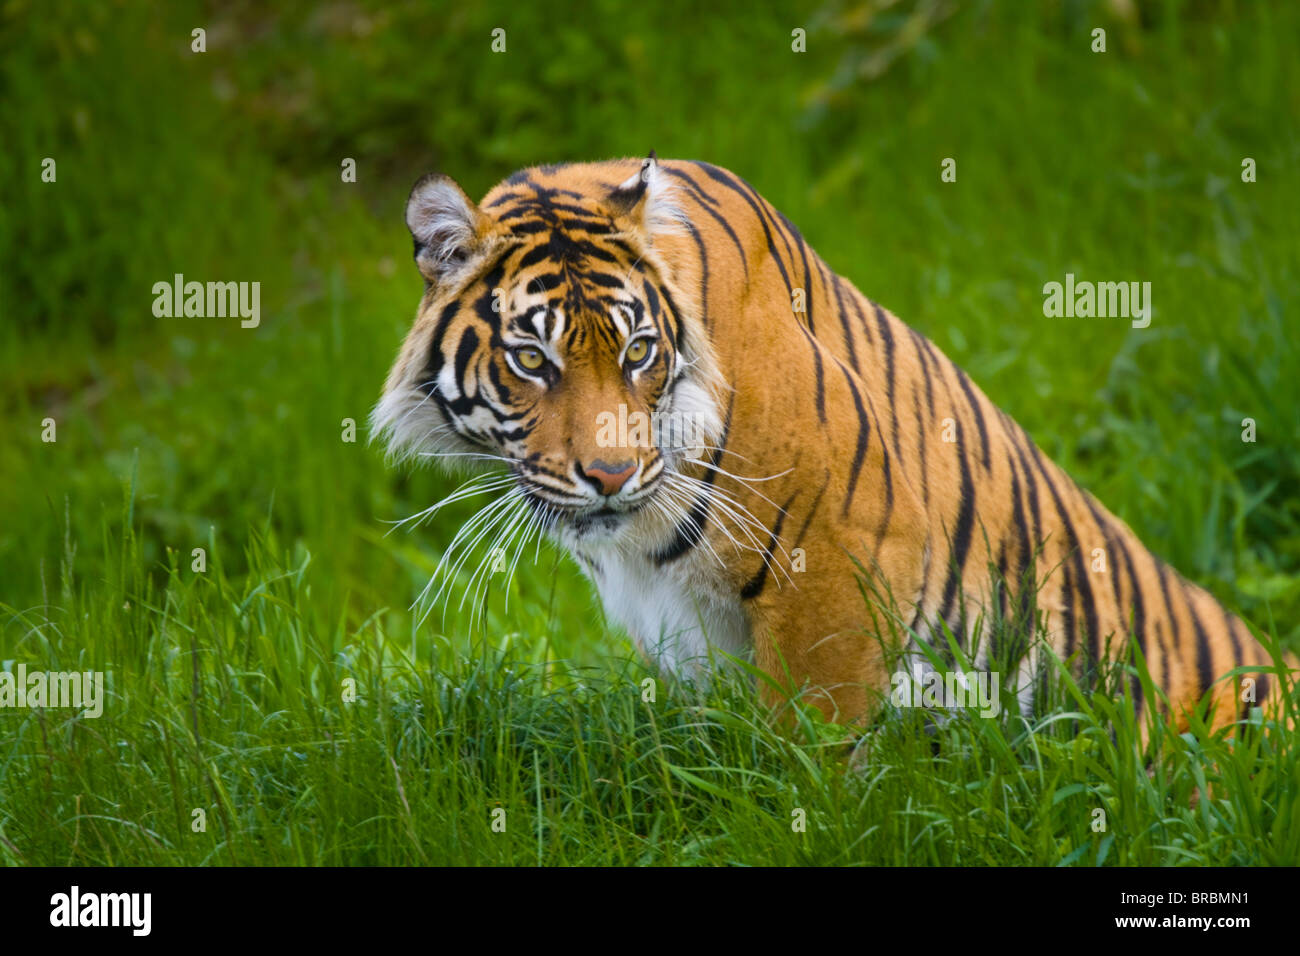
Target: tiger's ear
column 645, row 201
column 448, row 228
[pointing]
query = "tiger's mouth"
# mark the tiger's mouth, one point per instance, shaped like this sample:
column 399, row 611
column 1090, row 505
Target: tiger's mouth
column 586, row 519
column 603, row 520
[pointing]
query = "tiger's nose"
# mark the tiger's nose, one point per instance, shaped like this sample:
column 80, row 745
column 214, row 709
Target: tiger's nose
column 607, row 478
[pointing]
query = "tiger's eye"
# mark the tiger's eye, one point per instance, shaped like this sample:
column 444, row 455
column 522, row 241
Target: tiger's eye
column 531, row 359
column 637, row 351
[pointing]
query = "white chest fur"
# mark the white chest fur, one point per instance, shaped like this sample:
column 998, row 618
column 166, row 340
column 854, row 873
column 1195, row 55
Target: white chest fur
column 674, row 614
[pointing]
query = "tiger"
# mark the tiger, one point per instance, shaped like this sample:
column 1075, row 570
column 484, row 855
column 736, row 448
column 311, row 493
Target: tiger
column 807, row 440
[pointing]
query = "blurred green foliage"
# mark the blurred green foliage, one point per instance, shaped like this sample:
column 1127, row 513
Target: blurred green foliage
column 225, row 165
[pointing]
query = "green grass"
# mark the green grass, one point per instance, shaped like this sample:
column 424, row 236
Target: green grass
column 227, row 685
column 238, row 704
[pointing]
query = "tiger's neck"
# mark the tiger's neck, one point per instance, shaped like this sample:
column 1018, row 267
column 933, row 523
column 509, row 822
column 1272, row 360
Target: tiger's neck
column 676, row 611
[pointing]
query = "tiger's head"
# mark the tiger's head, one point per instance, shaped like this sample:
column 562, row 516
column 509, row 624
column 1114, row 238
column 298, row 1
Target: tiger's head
column 558, row 334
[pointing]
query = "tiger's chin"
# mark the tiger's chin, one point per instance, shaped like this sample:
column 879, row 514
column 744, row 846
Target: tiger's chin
column 601, row 530
column 598, row 530
column 594, row 527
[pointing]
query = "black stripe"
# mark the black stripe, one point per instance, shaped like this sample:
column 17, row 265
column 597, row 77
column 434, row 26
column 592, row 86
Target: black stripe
column 938, row 365
column 1023, row 547
column 433, row 364
column 704, row 274
column 1021, row 626
column 1175, row 640
column 501, row 388
column 964, row 382
column 589, row 250
column 886, row 470
column 1025, row 579
column 719, row 176
column 465, row 350
column 854, row 296
column 921, row 441
column 1232, row 636
column 1001, row 585
column 677, row 327
column 812, row 510
column 1078, row 580
column 860, row 452
column 925, row 369
column 510, row 197
column 818, row 374
column 763, row 207
column 1018, row 441
column 701, row 197
column 546, row 282
column 965, row 516
column 754, row 586
column 887, row 337
column 538, row 253
column 652, row 298
column 1204, row 656
column 960, row 543
column 844, row 317
column 604, row 280
column 530, row 228
column 1111, row 548
column 807, row 272
column 920, row 598
column 1139, row 617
